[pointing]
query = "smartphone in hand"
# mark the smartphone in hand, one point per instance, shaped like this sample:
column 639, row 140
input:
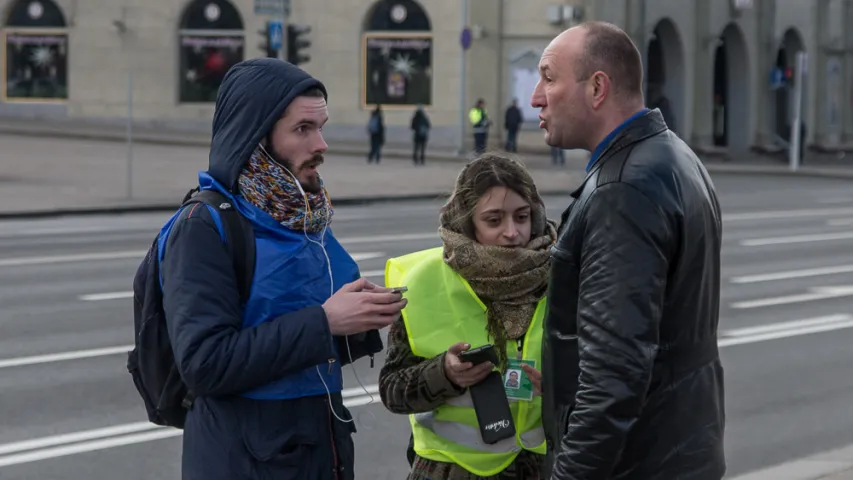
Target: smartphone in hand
column 485, row 353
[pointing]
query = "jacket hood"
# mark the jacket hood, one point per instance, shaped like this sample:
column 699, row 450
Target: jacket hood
column 252, row 97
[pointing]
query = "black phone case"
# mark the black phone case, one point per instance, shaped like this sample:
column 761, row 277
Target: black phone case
column 492, row 408
column 482, row 356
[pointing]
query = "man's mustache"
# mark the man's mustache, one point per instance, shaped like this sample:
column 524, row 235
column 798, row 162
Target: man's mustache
column 315, row 161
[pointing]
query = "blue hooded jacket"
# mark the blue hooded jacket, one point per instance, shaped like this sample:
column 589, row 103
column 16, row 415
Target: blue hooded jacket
column 278, row 345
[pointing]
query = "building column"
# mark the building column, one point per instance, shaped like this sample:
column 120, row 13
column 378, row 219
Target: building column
column 634, row 13
column 816, row 78
column 765, row 11
column 705, row 42
column 847, row 83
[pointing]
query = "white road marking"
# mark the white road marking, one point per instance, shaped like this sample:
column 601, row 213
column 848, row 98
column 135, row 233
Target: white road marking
column 99, row 297
column 87, row 257
column 783, row 214
column 815, row 293
column 806, row 272
column 59, row 231
column 775, row 331
column 82, row 257
column 64, row 356
column 54, row 446
column 90, row 446
column 815, row 237
column 358, row 257
column 402, row 237
column 75, row 437
column 373, row 273
column 827, row 465
column 840, row 222
column 139, row 432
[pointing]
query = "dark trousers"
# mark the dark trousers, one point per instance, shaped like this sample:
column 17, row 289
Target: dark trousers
column 235, row 437
column 419, row 151
column 375, row 149
column 511, row 140
column 479, row 143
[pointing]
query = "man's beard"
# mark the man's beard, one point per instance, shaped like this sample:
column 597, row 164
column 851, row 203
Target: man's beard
column 311, row 184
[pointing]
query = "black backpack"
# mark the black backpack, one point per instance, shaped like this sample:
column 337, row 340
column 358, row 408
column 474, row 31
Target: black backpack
column 151, row 363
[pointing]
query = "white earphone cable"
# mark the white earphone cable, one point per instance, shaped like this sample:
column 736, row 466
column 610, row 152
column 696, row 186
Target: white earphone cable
column 322, row 246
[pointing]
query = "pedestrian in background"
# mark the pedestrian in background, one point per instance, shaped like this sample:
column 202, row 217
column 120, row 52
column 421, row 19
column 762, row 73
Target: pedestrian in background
column 632, row 382
column 376, row 131
column 480, row 123
column 513, row 118
column 420, row 134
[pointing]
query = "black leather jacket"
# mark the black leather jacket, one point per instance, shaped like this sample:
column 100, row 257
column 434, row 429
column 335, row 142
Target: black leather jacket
column 632, row 382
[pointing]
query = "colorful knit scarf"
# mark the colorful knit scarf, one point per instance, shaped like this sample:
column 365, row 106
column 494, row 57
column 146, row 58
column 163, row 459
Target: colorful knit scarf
column 267, row 185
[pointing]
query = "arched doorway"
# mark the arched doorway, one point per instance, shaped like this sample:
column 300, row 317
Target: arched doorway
column 731, row 90
column 211, row 40
column 397, row 55
column 35, row 42
column 665, row 74
column 786, row 61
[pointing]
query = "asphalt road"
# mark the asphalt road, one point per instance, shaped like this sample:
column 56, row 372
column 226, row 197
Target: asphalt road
column 64, row 283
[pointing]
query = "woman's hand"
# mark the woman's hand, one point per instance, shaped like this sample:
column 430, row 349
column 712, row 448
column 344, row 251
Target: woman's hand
column 464, row 374
column 535, row 377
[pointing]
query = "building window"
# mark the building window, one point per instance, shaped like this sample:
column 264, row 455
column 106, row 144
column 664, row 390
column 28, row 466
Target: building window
column 397, row 55
column 210, row 42
column 35, row 49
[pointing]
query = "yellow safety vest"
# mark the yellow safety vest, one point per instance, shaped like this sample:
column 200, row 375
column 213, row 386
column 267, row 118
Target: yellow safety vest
column 475, row 115
column 442, row 310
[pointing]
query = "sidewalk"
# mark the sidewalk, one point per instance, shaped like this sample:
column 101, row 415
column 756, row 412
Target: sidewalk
column 198, row 135
column 54, row 175
column 50, row 167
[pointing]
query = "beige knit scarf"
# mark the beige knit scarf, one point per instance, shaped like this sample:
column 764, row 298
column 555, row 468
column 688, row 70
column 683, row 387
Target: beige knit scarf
column 510, row 282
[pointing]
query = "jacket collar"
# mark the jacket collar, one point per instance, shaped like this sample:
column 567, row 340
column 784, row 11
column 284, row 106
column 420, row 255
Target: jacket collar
column 647, row 125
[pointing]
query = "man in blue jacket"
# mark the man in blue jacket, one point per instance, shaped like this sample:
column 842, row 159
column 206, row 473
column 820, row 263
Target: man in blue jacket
column 267, row 374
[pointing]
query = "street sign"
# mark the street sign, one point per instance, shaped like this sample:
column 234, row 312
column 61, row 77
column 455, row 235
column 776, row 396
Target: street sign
column 777, row 78
column 272, row 8
column 275, row 35
column 465, row 38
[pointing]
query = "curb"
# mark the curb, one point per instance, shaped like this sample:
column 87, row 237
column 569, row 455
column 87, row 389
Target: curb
column 193, row 139
column 830, row 465
column 366, row 200
column 395, row 152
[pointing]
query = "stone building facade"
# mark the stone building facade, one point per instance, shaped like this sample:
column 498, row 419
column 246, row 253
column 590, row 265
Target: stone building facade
column 713, row 60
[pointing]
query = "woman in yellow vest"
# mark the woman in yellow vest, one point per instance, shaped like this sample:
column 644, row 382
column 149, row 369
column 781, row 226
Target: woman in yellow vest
column 485, row 285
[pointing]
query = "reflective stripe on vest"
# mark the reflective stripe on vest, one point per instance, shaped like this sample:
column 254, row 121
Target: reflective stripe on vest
column 442, row 310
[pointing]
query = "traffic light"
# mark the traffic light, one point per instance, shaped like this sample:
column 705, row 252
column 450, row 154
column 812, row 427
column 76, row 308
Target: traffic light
column 296, row 42
column 267, row 44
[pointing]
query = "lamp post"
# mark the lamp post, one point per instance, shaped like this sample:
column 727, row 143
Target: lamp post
column 465, row 42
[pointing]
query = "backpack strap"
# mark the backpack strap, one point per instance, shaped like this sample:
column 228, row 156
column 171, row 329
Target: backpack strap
column 239, row 237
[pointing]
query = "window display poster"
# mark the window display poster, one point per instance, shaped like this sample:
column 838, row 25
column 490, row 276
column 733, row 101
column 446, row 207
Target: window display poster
column 36, row 66
column 204, row 61
column 398, row 70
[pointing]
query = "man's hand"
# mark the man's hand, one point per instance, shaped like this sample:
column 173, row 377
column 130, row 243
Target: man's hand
column 361, row 306
column 535, row 377
column 464, row 374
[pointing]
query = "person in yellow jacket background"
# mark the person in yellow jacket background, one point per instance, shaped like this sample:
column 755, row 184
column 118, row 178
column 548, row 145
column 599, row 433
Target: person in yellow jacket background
column 485, row 284
column 480, row 123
